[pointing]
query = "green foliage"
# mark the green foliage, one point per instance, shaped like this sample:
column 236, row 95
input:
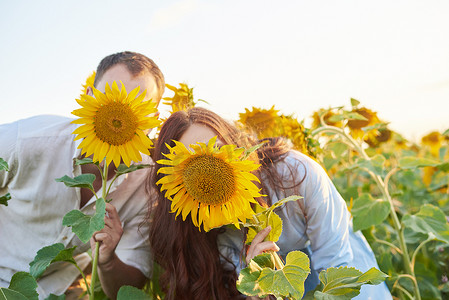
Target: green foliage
column 4, row 199
column 83, row 225
column 3, row 165
column 267, row 217
column 123, row 169
column 368, row 211
column 260, row 279
column 128, row 292
column 22, row 286
column 429, row 220
column 345, row 283
column 81, row 181
column 55, row 297
column 48, row 255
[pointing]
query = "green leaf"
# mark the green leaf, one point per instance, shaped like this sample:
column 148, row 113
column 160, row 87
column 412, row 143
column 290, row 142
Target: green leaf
column 247, row 282
column 85, row 161
column 7, row 294
column 85, row 226
column 123, row 169
column 251, row 150
column 129, row 292
column 413, row 162
column 267, row 217
column 368, row 211
column 4, row 199
column 347, row 115
column 25, row 284
column 354, row 102
column 3, row 165
column 82, row 181
column 48, row 255
column 375, row 164
column 375, row 126
column 345, row 283
column 446, row 132
column 288, row 281
column 429, row 219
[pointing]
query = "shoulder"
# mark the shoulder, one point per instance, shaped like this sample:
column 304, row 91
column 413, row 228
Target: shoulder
column 45, row 125
column 301, row 164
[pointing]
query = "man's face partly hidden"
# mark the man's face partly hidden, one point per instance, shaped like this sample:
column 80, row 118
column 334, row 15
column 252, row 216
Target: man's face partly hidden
column 119, row 73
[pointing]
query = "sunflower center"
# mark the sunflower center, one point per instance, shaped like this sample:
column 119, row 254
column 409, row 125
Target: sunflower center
column 115, row 123
column 209, row 180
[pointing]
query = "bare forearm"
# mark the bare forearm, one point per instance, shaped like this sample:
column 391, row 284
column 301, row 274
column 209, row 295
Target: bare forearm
column 116, row 273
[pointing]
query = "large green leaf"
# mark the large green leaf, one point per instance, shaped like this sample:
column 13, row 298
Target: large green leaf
column 288, row 281
column 85, row 161
column 429, row 219
column 25, row 284
column 56, row 297
column 4, row 199
column 83, row 225
column 81, row 181
column 345, row 283
column 347, row 115
column 48, row 255
column 413, row 162
column 247, row 282
column 3, row 165
column 127, row 292
column 368, row 211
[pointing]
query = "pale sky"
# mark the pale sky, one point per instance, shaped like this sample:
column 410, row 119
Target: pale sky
column 393, row 56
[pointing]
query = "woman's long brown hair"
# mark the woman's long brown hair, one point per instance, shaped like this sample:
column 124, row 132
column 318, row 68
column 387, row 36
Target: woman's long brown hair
column 190, row 258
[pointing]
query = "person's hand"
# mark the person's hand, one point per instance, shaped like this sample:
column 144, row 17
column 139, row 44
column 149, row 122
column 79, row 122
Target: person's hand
column 109, row 236
column 258, row 246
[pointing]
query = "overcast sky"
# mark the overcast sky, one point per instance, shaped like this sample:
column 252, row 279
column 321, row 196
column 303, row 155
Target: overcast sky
column 393, row 56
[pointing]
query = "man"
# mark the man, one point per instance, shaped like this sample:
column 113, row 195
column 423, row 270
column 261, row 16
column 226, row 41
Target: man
column 42, row 148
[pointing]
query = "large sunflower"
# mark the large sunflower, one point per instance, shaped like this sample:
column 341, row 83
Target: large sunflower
column 211, row 184
column 114, row 124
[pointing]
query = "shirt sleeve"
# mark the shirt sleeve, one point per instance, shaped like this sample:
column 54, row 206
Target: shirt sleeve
column 326, row 215
column 8, row 141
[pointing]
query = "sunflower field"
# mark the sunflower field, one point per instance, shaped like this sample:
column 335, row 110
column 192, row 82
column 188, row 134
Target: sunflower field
column 397, row 191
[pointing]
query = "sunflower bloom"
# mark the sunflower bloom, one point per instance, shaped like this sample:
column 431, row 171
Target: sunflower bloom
column 182, row 99
column 261, row 121
column 89, row 83
column 211, row 184
column 355, row 126
column 114, row 124
column 433, row 140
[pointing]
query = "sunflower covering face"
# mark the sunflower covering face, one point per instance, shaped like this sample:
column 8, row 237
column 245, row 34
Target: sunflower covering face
column 114, row 124
column 212, row 184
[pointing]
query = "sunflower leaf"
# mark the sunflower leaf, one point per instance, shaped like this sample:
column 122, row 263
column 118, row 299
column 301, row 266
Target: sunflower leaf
column 288, row 281
column 412, row 162
column 85, row 161
column 354, row 102
column 252, row 149
column 3, row 165
column 429, row 219
column 375, row 164
column 81, row 181
column 368, row 211
column 130, row 292
column 347, row 115
column 22, row 286
column 344, row 283
column 85, row 226
column 48, row 255
column 123, row 169
column 4, row 199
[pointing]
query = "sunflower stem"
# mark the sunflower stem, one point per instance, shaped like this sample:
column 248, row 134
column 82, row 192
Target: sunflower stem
column 94, row 271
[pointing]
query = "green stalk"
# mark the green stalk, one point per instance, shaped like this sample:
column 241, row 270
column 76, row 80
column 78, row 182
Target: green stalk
column 104, row 177
column 384, row 189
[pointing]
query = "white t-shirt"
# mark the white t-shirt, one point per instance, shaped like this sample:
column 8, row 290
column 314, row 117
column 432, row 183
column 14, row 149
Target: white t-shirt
column 39, row 150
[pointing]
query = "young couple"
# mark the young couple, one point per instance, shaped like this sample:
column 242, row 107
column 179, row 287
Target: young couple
column 196, row 264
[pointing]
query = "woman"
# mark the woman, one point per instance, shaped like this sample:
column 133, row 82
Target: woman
column 200, row 265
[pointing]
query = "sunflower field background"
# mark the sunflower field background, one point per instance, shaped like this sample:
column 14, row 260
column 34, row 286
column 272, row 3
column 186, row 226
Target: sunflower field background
column 396, row 190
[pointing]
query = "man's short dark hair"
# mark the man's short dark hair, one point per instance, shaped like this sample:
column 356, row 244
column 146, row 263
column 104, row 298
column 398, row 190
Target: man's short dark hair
column 136, row 63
